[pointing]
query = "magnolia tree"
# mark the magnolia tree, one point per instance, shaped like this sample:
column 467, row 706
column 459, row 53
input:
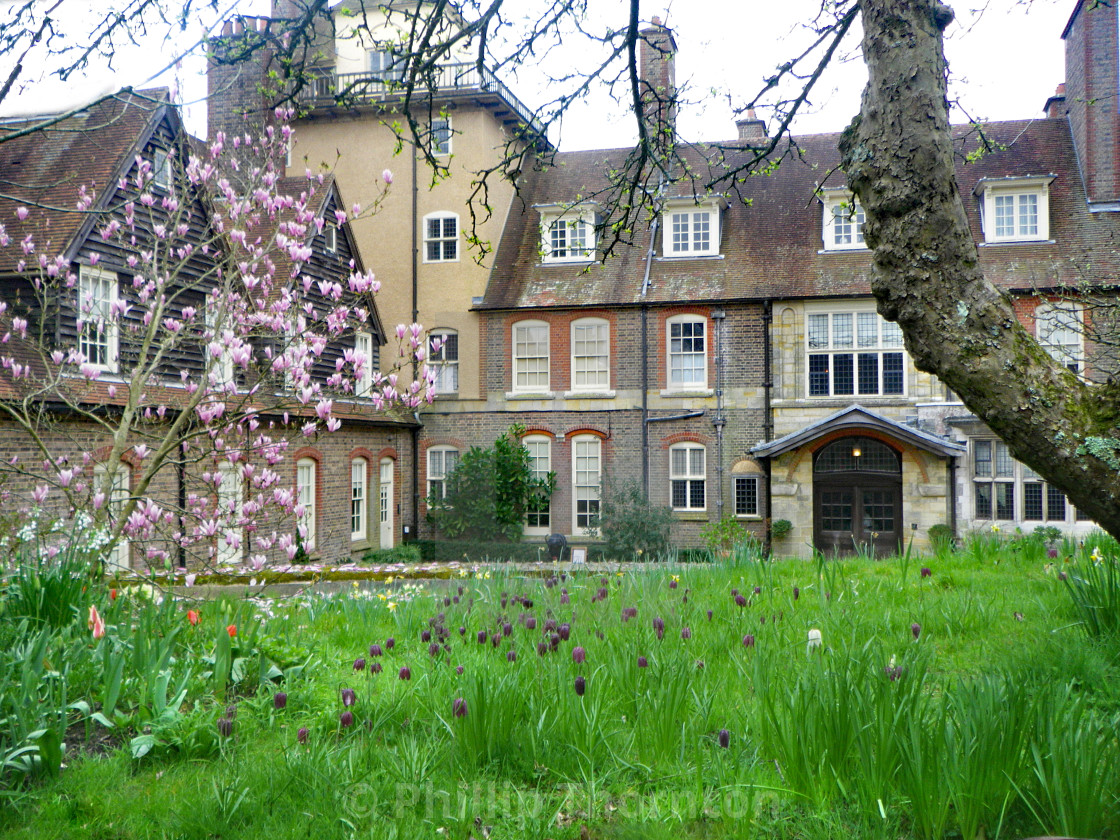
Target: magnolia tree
column 228, row 353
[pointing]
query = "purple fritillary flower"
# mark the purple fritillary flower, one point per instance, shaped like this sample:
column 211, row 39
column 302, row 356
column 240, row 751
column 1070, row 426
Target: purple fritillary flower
column 796, row 593
column 375, row 649
column 916, row 629
column 550, row 625
column 459, row 670
column 359, row 664
column 348, row 697
column 303, row 734
column 459, row 707
column 734, row 592
column 447, row 602
column 495, row 640
column 564, row 631
column 405, row 673
column 530, row 623
column 346, row 718
column 462, row 630
column 686, row 633
column 425, row 636
column 581, row 686
column 643, row 662
column 758, row 590
column 225, row 727
column 507, row 629
column 433, row 649
column 390, row 643
column 926, row 572
column 579, row 655
column 1052, row 553
column 511, row 656
column 554, row 641
column 565, row 599
column 375, row 668
column 740, row 601
column 659, row 627
column 279, row 700
column 672, row 584
column 455, row 599
column 542, row 648
column 748, row 640
column 481, row 637
column 724, row 738
column 602, row 593
column 709, row 615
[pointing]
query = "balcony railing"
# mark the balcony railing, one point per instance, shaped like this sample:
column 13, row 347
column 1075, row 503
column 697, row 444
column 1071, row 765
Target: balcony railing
column 325, row 88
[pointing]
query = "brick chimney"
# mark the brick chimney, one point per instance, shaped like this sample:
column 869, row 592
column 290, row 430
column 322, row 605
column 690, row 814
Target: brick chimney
column 752, row 130
column 1092, row 80
column 1055, row 107
column 657, row 83
column 235, row 77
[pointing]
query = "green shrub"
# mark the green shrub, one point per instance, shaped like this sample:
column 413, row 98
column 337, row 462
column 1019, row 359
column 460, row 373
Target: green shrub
column 404, row 553
column 632, row 528
column 780, row 528
column 940, row 537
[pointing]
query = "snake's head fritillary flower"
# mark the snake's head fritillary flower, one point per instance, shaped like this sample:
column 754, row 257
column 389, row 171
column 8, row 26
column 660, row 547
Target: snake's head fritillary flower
column 279, row 700
column 348, row 697
column 425, row 636
column 724, row 738
column 748, row 640
column 916, row 630
column 686, row 633
column 459, row 707
column 579, row 655
column 359, row 664
column 581, row 686
column 564, row 631
column 302, row 735
column 530, row 623
column 375, row 650
column 740, row 601
column 346, row 718
column 511, row 656
column 225, row 727
column 643, row 662
column 796, row 593
column 814, row 642
column 405, row 673
column 659, row 627
column 926, row 572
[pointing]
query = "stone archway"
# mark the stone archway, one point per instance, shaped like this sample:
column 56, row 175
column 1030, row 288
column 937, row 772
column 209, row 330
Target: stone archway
column 857, row 497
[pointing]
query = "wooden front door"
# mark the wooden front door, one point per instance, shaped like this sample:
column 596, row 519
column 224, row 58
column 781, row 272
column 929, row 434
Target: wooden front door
column 857, row 498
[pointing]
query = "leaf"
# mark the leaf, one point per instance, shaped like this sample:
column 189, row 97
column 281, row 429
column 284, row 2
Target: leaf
column 50, row 751
column 141, row 745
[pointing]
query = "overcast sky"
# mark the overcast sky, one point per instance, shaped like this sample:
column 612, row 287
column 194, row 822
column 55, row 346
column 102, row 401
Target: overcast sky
column 1005, row 61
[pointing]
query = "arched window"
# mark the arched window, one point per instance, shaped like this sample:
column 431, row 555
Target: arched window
column 857, row 454
column 591, row 355
column 746, row 485
column 530, row 356
column 359, row 499
column 538, row 519
column 687, row 353
column 587, row 477
column 687, row 476
column 307, row 471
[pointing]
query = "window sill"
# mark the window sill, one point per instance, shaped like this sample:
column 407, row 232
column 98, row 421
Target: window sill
column 855, row 249
column 690, row 515
column 530, row 395
column 678, row 257
column 580, row 261
column 990, row 243
column 589, row 395
column 748, row 517
column 440, row 262
column 683, row 392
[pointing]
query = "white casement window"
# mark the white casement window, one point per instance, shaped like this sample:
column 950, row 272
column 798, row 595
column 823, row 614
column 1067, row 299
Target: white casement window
column 1060, row 328
column 843, row 221
column 231, row 500
column 330, row 237
column 359, row 499
column 587, row 467
column 441, row 237
column 691, row 229
column 530, row 357
column 363, row 354
column 745, row 494
column 442, row 461
column 538, row 520
column 1005, row 490
column 567, row 232
column 161, row 169
column 385, row 65
column 687, row 353
column 98, row 330
column 591, row 355
column 445, row 360
column 306, row 474
column 854, row 352
column 687, row 475
column 1015, row 209
column 441, row 133
column 117, row 494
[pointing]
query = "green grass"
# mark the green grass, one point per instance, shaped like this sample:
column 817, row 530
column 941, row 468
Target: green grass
column 999, row 720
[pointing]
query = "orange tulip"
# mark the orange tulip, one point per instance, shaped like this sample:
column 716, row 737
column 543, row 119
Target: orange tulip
column 232, row 630
column 193, row 617
column 96, row 625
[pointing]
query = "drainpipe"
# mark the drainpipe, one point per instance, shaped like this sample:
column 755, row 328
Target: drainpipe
column 650, row 251
column 415, row 318
column 767, row 413
column 719, row 421
column 953, row 496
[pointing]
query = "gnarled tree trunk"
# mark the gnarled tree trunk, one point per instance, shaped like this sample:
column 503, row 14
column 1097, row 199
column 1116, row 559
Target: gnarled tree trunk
column 899, row 159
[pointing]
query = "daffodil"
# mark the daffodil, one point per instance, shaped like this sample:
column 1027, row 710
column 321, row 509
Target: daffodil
column 392, row 606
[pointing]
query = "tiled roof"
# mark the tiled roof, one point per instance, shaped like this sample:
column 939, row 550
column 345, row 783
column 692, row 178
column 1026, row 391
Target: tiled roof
column 771, row 243
column 45, row 170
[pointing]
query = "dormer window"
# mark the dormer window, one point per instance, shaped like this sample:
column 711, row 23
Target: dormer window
column 568, row 233
column 692, row 227
column 1015, row 209
column 161, row 169
column 330, row 235
column 843, row 221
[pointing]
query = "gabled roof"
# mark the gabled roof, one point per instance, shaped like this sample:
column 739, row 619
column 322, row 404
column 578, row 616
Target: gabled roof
column 771, row 240
column 46, row 169
column 857, row 418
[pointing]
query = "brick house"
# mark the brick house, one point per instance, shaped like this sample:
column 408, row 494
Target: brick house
column 65, row 187
column 728, row 356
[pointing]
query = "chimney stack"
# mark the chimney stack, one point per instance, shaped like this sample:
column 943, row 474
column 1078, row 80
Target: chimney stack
column 657, row 83
column 1092, row 79
column 1055, row 107
column 752, row 130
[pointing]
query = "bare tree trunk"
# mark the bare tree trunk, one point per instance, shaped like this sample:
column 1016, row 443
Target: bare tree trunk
column 927, row 276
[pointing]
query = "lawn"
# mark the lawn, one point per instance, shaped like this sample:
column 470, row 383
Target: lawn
column 971, row 694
